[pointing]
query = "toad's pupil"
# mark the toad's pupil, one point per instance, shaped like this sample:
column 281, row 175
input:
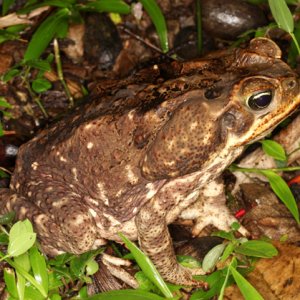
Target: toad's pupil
column 260, row 100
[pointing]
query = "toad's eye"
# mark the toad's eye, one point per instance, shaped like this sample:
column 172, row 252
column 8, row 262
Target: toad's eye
column 260, row 100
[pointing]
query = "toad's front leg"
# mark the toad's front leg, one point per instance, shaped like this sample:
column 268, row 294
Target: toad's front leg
column 155, row 241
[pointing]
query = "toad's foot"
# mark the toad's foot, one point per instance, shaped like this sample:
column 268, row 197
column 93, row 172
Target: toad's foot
column 211, row 209
column 155, row 241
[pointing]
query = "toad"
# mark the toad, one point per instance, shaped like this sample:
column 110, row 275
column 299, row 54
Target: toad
column 145, row 148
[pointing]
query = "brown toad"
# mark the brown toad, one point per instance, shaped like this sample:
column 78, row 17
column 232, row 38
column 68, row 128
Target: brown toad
column 134, row 161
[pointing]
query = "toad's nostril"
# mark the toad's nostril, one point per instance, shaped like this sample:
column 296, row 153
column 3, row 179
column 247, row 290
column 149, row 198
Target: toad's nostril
column 289, row 84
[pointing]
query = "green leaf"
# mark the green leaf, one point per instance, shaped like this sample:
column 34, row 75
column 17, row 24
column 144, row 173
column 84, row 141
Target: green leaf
column 113, row 6
column 282, row 190
column 125, row 294
column 20, row 286
column 147, row 267
column 91, row 267
column 4, row 103
column 227, row 252
column 56, row 3
column 7, row 218
column 1, row 130
column 25, row 274
column 212, row 257
column 45, row 33
column 188, row 261
column 41, row 85
column 32, row 293
column 257, row 249
column 274, row 149
column 23, row 261
column 247, row 290
column 10, row 74
column 6, row 4
column 282, row 15
column 10, row 281
column 38, row 265
column 39, row 64
column 159, row 22
column 144, row 283
column 21, row 238
column 216, row 281
column 224, row 235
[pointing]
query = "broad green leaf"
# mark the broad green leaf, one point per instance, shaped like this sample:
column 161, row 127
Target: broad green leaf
column 23, row 261
column 224, row 235
column 91, row 267
column 282, row 15
column 45, row 33
column 147, row 267
column 57, row 297
column 125, row 294
column 159, row 22
column 282, row 190
column 21, row 238
column 274, row 150
column 39, row 269
column 41, row 85
column 114, row 6
column 257, row 249
column 212, row 257
column 32, row 293
column 10, row 281
column 188, row 261
column 6, row 4
column 247, row 290
column 10, row 74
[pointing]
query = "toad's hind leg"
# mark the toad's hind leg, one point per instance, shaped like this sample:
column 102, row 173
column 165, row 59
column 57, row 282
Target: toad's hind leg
column 65, row 226
column 155, row 241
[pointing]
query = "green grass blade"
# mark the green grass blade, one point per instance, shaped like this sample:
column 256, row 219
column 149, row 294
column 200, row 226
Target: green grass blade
column 159, row 22
column 113, row 6
column 282, row 15
column 53, row 3
column 125, row 294
column 38, row 265
column 147, row 267
column 282, row 190
column 10, row 281
column 45, row 33
column 247, row 290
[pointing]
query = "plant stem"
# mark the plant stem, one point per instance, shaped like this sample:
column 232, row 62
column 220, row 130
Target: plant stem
column 60, row 72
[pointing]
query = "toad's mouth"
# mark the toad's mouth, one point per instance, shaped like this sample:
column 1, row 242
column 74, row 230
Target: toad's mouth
column 270, row 121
